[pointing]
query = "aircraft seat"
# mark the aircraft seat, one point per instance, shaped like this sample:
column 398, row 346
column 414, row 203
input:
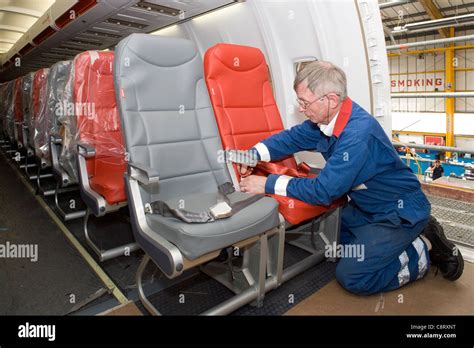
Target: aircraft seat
column 47, row 123
column 100, row 128
column 38, row 103
column 58, row 134
column 18, row 112
column 26, row 93
column 10, row 111
column 102, row 159
column 246, row 113
column 173, row 143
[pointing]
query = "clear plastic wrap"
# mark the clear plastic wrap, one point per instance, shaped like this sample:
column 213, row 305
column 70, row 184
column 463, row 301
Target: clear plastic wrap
column 26, row 93
column 95, row 121
column 18, row 110
column 57, row 98
column 10, row 110
column 47, row 123
column 38, row 101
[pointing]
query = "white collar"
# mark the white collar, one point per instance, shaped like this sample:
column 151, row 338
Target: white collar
column 329, row 128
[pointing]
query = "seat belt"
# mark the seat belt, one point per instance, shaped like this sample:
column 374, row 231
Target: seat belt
column 221, row 210
column 265, row 168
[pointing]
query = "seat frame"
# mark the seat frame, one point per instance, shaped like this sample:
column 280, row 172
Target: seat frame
column 64, row 183
column 326, row 226
column 97, row 205
column 262, row 265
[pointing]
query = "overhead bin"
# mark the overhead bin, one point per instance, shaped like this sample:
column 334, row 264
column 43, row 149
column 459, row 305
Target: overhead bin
column 70, row 27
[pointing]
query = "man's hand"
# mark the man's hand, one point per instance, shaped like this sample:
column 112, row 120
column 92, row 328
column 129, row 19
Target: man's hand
column 244, row 170
column 253, row 184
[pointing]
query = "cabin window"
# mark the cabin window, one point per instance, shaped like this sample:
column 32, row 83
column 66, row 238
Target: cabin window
column 301, row 63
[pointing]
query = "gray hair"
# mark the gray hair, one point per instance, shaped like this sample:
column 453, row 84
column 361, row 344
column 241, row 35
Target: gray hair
column 323, row 78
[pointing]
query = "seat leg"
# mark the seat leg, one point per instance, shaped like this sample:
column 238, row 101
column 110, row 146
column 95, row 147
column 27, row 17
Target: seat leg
column 38, row 181
column 331, row 229
column 66, row 216
column 262, row 272
column 108, row 254
column 39, row 188
column 141, row 293
column 26, row 166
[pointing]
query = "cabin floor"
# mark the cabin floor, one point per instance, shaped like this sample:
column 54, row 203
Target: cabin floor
column 67, row 277
column 432, row 295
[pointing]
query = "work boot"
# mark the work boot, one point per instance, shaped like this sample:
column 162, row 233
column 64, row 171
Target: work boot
column 443, row 254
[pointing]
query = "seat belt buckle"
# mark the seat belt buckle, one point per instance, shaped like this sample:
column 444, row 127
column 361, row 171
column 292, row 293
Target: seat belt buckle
column 148, row 209
column 221, row 210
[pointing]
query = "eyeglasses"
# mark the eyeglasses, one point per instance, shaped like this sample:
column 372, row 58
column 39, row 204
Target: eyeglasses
column 305, row 105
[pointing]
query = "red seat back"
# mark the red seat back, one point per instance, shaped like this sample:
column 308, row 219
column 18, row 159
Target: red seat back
column 242, row 98
column 246, row 112
column 98, row 122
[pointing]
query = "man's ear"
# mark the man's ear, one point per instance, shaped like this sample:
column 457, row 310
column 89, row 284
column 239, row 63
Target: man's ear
column 333, row 100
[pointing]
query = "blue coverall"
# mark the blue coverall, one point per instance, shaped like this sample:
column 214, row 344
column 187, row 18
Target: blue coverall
column 387, row 209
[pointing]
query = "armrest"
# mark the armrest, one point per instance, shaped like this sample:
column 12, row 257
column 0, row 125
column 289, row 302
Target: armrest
column 56, row 139
column 143, row 174
column 85, row 150
column 246, row 157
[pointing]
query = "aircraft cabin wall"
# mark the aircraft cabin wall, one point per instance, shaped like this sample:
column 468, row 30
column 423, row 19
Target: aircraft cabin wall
column 296, row 31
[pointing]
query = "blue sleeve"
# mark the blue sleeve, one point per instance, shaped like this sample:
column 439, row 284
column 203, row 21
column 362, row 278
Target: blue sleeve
column 303, row 137
column 349, row 166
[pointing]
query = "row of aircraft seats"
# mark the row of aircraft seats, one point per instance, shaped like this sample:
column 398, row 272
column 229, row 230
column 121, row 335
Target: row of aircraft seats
column 146, row 128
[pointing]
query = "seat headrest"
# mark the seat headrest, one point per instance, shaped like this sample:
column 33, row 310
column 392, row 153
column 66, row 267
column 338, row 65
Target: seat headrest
column 172, row 52
column 238, row 58
column 99, row 62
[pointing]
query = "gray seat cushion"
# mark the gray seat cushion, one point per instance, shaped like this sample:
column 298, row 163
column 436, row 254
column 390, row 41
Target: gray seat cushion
column 194, row 240
column 168, row 123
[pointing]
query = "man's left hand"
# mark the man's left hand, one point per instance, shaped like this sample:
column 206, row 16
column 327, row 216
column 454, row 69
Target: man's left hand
column 253, row 184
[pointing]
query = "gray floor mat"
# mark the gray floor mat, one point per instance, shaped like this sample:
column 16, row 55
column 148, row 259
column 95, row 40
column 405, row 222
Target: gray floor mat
column 44, row 286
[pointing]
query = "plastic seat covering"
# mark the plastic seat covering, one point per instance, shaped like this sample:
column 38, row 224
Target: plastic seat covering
column 246, row 111
column 10, row 110
column 58, row 101
column 169, row 126
column 26, row 93
column 56, row 106
column 18, row 108
column 38, row 106
column 99, row 123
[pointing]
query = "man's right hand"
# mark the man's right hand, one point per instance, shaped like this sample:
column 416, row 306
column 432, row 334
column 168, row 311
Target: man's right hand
column 245, row 170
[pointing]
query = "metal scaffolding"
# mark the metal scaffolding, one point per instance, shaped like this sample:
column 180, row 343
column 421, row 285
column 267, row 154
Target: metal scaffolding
column 450, row 92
